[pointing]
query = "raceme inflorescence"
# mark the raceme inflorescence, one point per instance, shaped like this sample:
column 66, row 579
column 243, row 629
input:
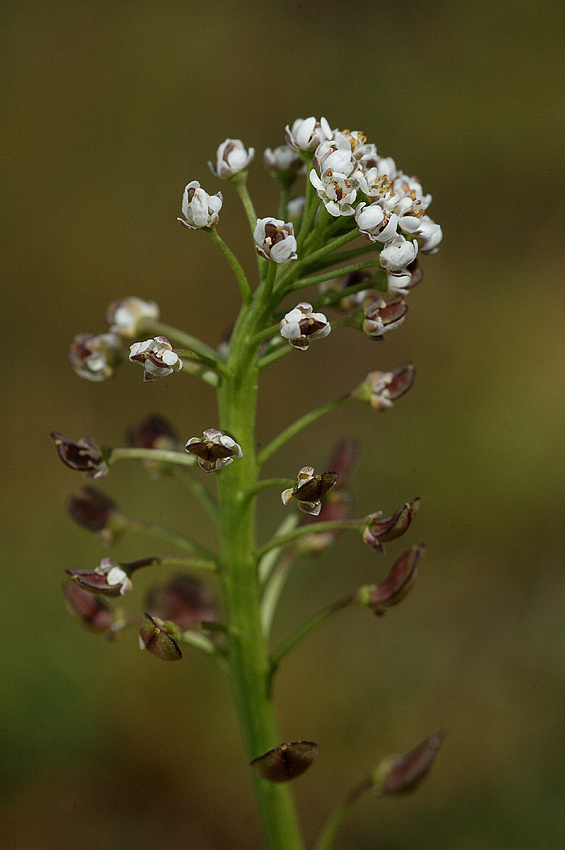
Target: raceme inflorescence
column 350, row 228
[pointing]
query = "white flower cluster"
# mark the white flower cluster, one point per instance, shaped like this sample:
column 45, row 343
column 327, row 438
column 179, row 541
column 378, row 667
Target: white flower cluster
column 352, row 180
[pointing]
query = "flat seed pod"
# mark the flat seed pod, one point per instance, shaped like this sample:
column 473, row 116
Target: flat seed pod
column 285, row 762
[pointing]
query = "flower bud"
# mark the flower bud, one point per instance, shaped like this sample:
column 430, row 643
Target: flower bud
column 380, row 389
column 429, row 235
column 307, row 133
column 96, row 356
column 89, row 609
column 295, row 207
column 285, row 762
column 402, row 283
column 84, row 455
column 284, row 164
column 401, row 774
column 231, row 158
column 381, row 316
column 398, row 254
column 341, row 284
column 108, row 579
column 309, row 489
column 379, row 531
column 153, row 432
column 334, row 155
column 155, row 638
column 301, row 325
column 124, row 316
column 92, row 509
column 199, row 208
column 399, row 583
column 157, row 358
column 215, row 451
column 275, row 240
column 185, row 600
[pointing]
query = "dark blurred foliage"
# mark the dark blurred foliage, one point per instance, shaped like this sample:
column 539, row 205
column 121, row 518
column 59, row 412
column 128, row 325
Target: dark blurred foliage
column 109, row 110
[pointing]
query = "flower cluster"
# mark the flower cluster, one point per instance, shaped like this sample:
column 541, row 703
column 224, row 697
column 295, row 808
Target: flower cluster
column 96, row 356
column 353, row 195
column 351, row 179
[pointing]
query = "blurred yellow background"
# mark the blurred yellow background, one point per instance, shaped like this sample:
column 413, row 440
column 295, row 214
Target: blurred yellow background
column 110, row 109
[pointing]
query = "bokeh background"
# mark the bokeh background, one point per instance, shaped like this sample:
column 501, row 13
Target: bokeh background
column 109, row 110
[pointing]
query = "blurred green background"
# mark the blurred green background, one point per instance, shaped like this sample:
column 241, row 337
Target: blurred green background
column 110, row 109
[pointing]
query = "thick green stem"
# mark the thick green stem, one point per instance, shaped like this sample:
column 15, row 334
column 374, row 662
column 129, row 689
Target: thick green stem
column 248, row 656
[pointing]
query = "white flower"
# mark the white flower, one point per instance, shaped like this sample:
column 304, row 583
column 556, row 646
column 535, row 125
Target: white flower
column 124, row 315
column 301, row 325
column 398, row 254
column 378, row 187
column 199, row 208
column 429, row 235
column 275, row 240
column 215, row 451
column 337, row 192
column 360, row 148
column 95, row 356
column 412, row 187
column 157, row 358
column 307, row 133
column 231, row 157
column 115, row 576
column 334, row 155
column 376, row 223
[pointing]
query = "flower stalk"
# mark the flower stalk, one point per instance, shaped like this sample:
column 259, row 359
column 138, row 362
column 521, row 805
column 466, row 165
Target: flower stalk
column 350, row 193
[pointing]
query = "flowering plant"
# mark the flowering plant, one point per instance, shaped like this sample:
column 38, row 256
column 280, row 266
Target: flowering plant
column 353, row 239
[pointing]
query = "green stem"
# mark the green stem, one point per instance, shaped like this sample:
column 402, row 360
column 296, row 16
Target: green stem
column 239, row 180
column 336, row 820
column 268, row 333
column 198, row 489
column 271, row 356
column 274, row 588
column 191, row 563
column 190, row 357
column 192, row 343
column 284, row 199
column 205, row 374
column 311, row 528
column 156, row 455
column 265, row 484
column 174, row 538
column 301, row 266
column 237, row 269
column 334, row 273
column 269, row 562
column 248, row 658
column 311, row 202
column 298, row 426
column 309, row 627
